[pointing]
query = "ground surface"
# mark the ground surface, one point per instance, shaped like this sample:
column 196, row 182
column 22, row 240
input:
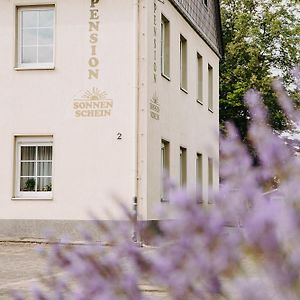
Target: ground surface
column 21, row 267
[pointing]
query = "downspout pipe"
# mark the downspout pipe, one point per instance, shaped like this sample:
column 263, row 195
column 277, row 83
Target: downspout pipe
column 136, row 198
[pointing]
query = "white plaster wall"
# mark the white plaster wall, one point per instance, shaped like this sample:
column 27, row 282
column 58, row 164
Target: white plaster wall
column 183, row 121
column 90, row 164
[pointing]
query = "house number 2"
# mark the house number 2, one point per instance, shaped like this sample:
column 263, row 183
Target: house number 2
column 119, row 136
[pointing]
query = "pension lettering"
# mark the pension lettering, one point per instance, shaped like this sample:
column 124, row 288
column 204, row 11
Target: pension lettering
column 93, row 61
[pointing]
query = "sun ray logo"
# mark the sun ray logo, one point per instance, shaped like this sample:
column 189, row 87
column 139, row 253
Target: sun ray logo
column 92, row 103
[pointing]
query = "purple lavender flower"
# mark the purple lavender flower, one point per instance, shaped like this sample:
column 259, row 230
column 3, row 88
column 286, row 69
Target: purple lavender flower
column 244, row 246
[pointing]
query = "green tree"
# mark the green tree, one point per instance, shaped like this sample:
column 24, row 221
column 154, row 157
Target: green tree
column 261, row 40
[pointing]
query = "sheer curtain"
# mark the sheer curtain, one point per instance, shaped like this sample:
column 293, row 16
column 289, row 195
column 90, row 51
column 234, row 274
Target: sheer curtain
column 36, row 168
column 44, row 168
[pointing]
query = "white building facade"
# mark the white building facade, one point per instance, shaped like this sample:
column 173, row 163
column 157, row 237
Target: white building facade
column 98, row 99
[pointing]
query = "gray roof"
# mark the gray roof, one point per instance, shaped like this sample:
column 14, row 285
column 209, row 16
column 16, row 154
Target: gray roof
column 204, row 19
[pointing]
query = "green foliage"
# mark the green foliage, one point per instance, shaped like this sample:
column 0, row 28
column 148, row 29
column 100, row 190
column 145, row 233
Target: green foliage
column 30, row 184
column 261, row 40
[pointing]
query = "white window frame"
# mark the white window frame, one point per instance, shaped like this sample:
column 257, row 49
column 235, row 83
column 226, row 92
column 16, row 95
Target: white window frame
column 30, row 141
column 210, row 172
column 165, row 167
column 210, row 76
column 183, row 166
column 21, row 65
column 210, row 175
column 165, row 47
column 199, row 175
column 183, row 64
column 199, row 78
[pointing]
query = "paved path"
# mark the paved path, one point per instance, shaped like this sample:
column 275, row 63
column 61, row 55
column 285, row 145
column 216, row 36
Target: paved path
column 21, row 266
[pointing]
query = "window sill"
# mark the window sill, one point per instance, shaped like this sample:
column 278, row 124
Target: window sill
column 184, row 90
column 199, row 101
column 34, row 68
column 31, row 199
column 166, row 76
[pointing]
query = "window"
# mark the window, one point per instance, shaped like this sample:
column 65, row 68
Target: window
column 210, row 172
column 183, row 63
column 36, row 37
column 210, row 88
column 210, row 178
column 165, row 166
column 205, row 2
column 165, row 46
column 199, row 79
column 199, row 175
column 33, row 167
column 183, row 167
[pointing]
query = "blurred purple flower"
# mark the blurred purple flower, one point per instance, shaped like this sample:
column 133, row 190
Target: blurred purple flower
column 243, row 246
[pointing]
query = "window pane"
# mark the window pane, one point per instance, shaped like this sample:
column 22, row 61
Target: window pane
column 27, row 168
column 200, row 79
column 165, row 46
column 44, row 184
column 162, row 159
column 44, row 169
column 29, row 18
column 210, row 172
column 165, row 167
column 45, row 153
column 29, row 55
column 183, row 63
column 210, row 87
column 45, row 54
column 45, row 36
column 27, row 184
column 183, row 167
column 46, row 18
column 29, row 37
column 28, row 153
column 199, row 174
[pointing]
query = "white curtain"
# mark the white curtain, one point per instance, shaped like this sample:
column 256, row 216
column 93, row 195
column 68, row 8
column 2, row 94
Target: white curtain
column 36, row 168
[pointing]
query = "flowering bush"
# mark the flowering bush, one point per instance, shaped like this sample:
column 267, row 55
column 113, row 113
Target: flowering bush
column 243, row 246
